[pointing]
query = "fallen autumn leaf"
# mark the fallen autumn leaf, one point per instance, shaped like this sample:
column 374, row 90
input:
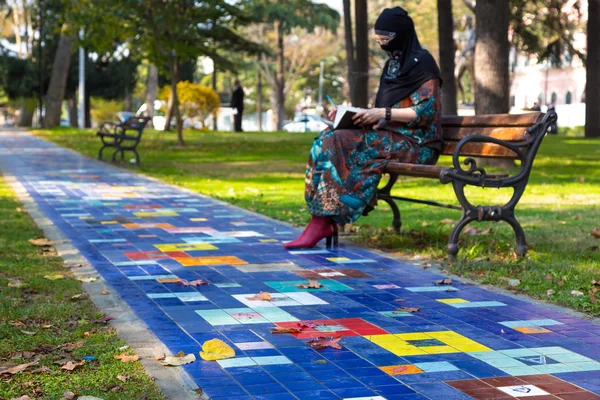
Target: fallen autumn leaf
column 127, row 357
column 311, row 285
column 262, row 296
column 322, row 343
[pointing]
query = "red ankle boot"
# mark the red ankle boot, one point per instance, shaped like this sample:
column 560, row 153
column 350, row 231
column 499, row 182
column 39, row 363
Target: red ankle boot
column 317, row 229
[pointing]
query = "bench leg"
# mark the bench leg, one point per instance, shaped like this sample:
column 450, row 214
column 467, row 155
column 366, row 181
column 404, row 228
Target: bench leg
column 384, row 194
column 137, row 157
column 397, row 221
column 452, row 246
column 488, row 213
column 100, row 152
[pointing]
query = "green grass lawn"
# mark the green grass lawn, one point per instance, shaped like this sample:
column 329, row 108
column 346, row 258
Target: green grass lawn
column 39, row 321
column 264, row 172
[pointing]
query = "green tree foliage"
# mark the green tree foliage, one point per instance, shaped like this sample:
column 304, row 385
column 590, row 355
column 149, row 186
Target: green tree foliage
column 278, row 22
column 171, row 32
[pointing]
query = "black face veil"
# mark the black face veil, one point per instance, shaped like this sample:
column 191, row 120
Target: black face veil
column 409, row 65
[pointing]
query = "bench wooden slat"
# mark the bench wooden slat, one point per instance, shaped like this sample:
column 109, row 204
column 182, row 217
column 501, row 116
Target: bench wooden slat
column 479, row 150
column 420, row 170
column 510, row 134
column 494, row 120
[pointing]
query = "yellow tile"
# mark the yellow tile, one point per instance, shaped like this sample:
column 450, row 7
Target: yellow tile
column 269, row 240
column 109, row 222
column 185, row 247
column 198, row 219
column 384, row 339
column 155, row 214
column 88, row 217
column 413, row 336
column 338, row 259
column 199, row 261
column 446, row 335
column 452, row 301
column 406, row 351
column 471, row 348
column 438, row 349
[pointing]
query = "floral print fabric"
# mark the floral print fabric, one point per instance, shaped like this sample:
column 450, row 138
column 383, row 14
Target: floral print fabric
column 345, row 166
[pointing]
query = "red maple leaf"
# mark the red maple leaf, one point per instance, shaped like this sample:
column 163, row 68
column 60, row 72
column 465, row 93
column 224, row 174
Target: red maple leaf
column 322, row 343
column 281, row 329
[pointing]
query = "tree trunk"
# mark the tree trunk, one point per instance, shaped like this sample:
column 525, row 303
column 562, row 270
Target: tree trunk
column 491, row 57
column 214, row 87
column 491, row 63
column 151, row 91
column 72, row 101
column 58, row 82
column 592, row 89
column 280, row 81
column 26, row 29
column 17, row 29
column 175, row 100
column 361, row 66
column 88, row 107
column 25, row 116
column 259, row 101
column 447, row 50
column 127, row 101
column 348, row 36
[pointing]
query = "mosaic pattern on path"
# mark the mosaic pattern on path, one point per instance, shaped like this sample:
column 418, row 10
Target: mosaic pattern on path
column 145, row 237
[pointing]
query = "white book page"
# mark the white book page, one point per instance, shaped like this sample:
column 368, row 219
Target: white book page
column 341, row 110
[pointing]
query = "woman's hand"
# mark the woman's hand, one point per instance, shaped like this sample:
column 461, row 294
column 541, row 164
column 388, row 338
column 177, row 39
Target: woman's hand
column 332, row 114
column 369, row 117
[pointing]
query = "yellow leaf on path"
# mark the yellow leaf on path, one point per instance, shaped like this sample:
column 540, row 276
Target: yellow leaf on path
column 104, row 292
column 127, row 357
column 175, row 361
column 311, row 285
column 263, row 296
column 54, row 277
column 159, row 357
column 216, row 349
column 85, row 279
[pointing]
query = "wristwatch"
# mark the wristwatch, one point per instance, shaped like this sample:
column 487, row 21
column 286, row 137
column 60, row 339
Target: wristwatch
column 388, row 114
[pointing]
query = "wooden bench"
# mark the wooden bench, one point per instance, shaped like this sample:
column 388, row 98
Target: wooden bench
column 116, row 136
column 515, row 137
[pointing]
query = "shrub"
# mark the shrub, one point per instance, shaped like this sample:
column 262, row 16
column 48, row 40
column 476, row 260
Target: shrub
column 105, row 110
column 196, row 102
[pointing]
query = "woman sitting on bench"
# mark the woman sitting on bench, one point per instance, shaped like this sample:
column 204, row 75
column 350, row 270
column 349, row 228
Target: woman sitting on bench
column 345, row 166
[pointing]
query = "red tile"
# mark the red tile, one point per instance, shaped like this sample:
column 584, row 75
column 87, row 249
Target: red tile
column 154, row 255
column 578, row 396
column 487, row 394
column 503, row 381
column 544, row 397
column 560, row 387
column 535, row 379
column 469, row 384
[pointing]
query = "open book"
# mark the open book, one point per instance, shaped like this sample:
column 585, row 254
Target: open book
column 343, row 118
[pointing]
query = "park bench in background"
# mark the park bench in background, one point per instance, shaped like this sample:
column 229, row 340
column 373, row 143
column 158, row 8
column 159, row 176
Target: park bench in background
column 516, row 137
column 117, row 136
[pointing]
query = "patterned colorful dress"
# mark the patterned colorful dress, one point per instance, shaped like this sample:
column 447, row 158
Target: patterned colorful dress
column 345, row 166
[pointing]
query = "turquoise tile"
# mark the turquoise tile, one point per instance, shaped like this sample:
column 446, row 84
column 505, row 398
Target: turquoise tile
column 418, row 289
column 236, row 362
column 514, row 324
column 519, row 352
column 150, row 277
column 555, row 368
column 217, row 317
column 487, row 355
column 290, row 286
column 161, row 295
column 190, row 296
column 436, row 366
column 476, row 304
column 569, row 358
column 272, row 360
column 550, row 350
column 545, row 322
column 585, row 366
column 505, row 362
column 227, row 285
column 395, row 314
column 520, row 371
column 309, row 252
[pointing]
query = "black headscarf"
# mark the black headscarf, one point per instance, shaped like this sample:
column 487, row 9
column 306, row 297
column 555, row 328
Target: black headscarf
column 409, row 65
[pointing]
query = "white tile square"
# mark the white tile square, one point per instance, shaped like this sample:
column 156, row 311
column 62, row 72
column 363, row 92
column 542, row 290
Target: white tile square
column 254, row 346
column 306, row 299
column 523, row 391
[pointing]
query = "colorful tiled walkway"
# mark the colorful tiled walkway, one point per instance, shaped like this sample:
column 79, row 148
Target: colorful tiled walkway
column 145, row 237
